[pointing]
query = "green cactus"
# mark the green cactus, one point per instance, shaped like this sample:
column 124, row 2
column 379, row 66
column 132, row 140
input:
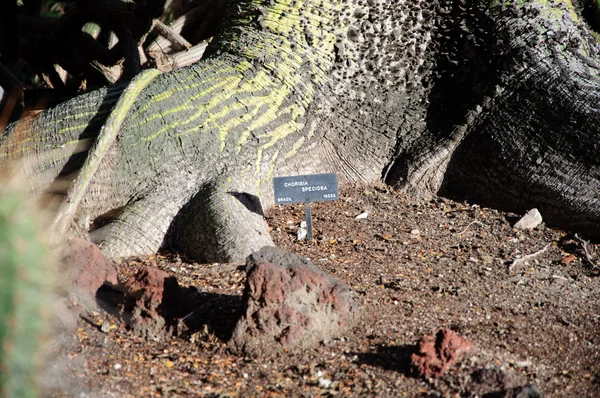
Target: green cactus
column 24, row 290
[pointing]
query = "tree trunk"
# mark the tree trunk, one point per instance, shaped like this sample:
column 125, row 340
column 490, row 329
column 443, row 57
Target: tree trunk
column 495, row 103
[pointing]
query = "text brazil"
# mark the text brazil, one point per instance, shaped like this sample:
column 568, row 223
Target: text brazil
column 305, row 188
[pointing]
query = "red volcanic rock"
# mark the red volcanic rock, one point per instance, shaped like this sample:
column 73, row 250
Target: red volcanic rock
column 148, row 284
column 155, row 293
column 436, row 355
column 289, row 303
column 87, row 269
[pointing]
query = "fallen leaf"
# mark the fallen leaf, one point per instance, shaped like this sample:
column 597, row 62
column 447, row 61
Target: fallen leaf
column 568, row 259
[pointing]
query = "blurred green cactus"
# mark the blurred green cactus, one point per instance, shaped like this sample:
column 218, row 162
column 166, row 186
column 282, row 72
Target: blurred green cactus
column 24, row 292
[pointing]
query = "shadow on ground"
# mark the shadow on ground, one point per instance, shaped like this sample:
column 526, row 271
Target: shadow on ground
column 185, row 310
column 395, row 358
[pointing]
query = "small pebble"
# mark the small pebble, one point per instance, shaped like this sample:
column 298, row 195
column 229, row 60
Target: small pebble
column 531, row 220
column 301, row 234
column 105, row 327
column 523, row 364
column 324, row 383
column 362, row 216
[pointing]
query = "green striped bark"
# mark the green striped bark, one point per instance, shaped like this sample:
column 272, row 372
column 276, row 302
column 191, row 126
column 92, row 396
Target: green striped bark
column 491, row 101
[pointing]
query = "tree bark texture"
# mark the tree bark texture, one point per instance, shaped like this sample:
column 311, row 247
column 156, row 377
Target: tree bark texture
column 494, row 102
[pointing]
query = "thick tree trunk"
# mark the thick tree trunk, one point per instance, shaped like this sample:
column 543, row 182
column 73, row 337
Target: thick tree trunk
column 494, row 103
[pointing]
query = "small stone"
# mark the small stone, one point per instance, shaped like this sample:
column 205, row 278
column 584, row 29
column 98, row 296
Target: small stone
column 523, row 364
column 415, row 232
column 436, row 354
column 301, row 234
column 324, row 383
column 105, row 327
column 530, row 220
column 362, row 216
column 117, row 366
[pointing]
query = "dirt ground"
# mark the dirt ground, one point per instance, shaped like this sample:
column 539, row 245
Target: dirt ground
column 416, row 266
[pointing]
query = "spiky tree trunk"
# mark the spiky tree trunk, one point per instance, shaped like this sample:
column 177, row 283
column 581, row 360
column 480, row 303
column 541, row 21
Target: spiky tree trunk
column 495, row 102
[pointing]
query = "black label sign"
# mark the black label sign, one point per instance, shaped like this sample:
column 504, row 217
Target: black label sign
column 308, row 188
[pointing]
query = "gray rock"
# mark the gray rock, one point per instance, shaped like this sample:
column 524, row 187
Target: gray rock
column 289, row 303
column 531, row 220
column 491, row 379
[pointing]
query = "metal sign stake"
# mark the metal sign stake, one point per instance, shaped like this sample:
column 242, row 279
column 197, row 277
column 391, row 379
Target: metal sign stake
column 309, row 234
column 305, row 189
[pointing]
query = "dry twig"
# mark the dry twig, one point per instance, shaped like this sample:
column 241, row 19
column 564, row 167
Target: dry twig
column 588, row 257
column 528, row 257
column 469, row 226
